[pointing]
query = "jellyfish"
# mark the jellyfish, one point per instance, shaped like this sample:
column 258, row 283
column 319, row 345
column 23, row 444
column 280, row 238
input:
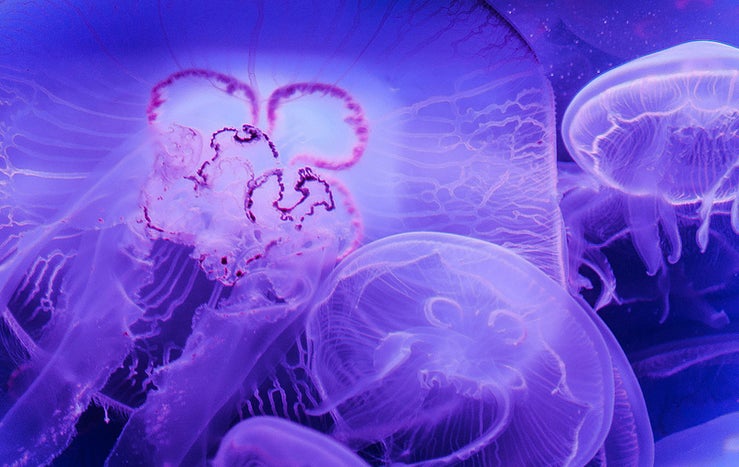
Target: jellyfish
column 663, row 130
column 630, row 440
column 698, row 374
column 715, row 442
column 290, row 392
column 437, row 348
column 231, row 150
column 272, row 441
column 69, row 264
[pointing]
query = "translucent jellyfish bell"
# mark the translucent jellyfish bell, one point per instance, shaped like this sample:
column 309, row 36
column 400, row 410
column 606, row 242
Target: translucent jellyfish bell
column 712, row 443
column 274, row 441
column 665, row 130
column 438, row 348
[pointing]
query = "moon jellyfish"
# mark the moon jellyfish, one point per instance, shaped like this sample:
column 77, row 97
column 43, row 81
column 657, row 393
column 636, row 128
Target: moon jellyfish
column 664, row 130
column 273, row 441
column 466, row 146
column 715, row 442
column 630, row 440
column 230, row 196
column 436, row 348
column 294, row 139
column 264, row 148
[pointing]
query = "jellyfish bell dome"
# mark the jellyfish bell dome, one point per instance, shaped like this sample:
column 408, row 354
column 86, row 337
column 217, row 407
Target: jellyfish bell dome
column 274, row 441
column 431, row 348
column 664, row 129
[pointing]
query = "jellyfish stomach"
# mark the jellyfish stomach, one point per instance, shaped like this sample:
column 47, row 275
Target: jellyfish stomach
column 700, row 160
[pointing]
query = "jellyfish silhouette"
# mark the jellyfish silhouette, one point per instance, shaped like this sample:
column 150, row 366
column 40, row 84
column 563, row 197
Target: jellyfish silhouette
column 436, row 348
column 273, row 441
column 664, row 130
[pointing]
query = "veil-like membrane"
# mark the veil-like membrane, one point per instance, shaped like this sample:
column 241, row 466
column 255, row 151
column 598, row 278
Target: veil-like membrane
column 223, row 151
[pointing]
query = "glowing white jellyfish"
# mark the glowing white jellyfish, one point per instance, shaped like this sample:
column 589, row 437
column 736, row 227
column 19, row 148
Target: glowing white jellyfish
column 664, row 129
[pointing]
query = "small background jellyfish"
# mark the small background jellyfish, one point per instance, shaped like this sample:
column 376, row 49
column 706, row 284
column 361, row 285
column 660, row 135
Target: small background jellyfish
column 576, row 41
column 663, row 129
column 659, row 138
column 670, row 187
column 712, row 443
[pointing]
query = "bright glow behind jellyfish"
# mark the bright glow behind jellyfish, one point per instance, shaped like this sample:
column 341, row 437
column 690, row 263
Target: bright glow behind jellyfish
column 226, row 191
column 455, row 138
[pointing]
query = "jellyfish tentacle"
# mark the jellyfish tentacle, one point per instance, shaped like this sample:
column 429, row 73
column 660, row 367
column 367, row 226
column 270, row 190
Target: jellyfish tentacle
column 489, row 391
column 669, row 223
column 597, row 261
column 644, row 228
column 704, row 214
column 664, row 285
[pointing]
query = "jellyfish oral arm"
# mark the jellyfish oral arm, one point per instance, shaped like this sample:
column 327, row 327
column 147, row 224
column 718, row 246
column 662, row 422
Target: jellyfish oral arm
column 91, row 338
column 645, row 215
